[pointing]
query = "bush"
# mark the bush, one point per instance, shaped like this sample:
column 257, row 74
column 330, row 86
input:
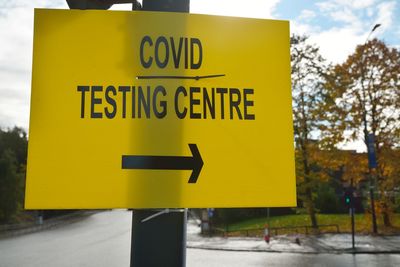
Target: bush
column 228, row 216
column 327, row 201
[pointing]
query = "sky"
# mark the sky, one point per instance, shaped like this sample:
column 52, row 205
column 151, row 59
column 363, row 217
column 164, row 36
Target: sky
column 336, row 26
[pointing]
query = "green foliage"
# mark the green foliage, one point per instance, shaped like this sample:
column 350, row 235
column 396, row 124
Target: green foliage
column 15, row 140
column 227, row 216
column 8, row 185
column 327, row 201
column 13, row 149
column 224, row 216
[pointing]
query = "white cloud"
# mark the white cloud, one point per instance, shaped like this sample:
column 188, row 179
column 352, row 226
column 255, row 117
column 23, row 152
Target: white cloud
column 15, row 65
column 360, row 4
column 370, row 12
column 343, row 11
column 307, row 14
column 249, row 8
column 353, row 4
column 337, row 44
column 325, row 6
column 357, row 16
column 344, row 15
column 16, row 35
column 385, row 15
column 300, row 28
column 14, row 108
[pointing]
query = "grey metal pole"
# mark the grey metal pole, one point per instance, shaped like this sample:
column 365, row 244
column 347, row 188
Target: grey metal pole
column 352, row 215
column 371, row 196
column 185, row 218
column 166, row 5
column 161, row 240
column 352, row 228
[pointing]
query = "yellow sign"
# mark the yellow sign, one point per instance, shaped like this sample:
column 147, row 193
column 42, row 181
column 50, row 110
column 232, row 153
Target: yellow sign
column 153, row 110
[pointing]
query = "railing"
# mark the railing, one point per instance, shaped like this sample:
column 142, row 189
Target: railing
column 259, row 232
column 306, row 229
column 24, row 228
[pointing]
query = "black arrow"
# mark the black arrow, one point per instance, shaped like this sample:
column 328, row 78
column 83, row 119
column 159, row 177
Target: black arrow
column 194, row 163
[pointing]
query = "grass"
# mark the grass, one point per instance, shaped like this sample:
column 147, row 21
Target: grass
column 363, row 223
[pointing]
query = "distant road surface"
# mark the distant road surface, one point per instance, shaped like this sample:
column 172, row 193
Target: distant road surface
column 103, row 240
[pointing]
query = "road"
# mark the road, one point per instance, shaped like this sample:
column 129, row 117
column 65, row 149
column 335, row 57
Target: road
column 103, row 239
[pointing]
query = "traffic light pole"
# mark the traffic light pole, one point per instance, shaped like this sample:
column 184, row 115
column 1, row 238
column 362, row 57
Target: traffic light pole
column 352, row 215
column 352, row 228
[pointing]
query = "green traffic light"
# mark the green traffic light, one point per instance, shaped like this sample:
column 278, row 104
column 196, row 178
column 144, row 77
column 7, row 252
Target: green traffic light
column 347, row 200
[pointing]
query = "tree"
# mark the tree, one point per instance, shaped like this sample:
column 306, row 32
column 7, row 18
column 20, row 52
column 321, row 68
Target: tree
column 16, row 140
column 308, row 68
column 364, row 94
column 326, row 199
column 8, row 185
column 13, row 149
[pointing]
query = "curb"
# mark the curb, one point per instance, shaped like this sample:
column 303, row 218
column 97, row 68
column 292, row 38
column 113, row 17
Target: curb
column 334, row 245
column 336, row 252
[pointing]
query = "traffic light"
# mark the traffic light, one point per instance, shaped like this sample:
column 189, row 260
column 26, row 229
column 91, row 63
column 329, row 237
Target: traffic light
column 348, row 197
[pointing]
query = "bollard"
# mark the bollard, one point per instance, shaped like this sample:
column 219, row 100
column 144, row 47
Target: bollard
column 266, row 233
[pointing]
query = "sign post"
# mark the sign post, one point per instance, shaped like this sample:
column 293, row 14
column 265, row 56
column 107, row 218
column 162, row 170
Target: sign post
column 372, row 164
column 160, row 240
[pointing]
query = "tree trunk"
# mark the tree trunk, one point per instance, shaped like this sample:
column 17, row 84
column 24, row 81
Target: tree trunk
column 311, row 210
column 309, row 200
column 386, row 215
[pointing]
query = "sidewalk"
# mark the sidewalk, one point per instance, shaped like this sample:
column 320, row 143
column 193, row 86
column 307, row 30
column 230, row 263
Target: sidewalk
column 326, row 243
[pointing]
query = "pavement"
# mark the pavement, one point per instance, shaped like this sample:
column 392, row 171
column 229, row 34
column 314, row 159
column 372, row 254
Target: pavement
column 309, row 244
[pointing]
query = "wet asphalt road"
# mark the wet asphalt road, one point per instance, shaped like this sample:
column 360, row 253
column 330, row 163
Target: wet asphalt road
column 103, row 239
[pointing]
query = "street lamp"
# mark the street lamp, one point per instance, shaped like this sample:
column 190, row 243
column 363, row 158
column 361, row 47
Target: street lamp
column 376, row 26
column 367, row 136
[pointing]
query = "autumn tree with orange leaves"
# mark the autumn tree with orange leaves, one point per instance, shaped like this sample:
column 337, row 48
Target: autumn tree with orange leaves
column 362, row 98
